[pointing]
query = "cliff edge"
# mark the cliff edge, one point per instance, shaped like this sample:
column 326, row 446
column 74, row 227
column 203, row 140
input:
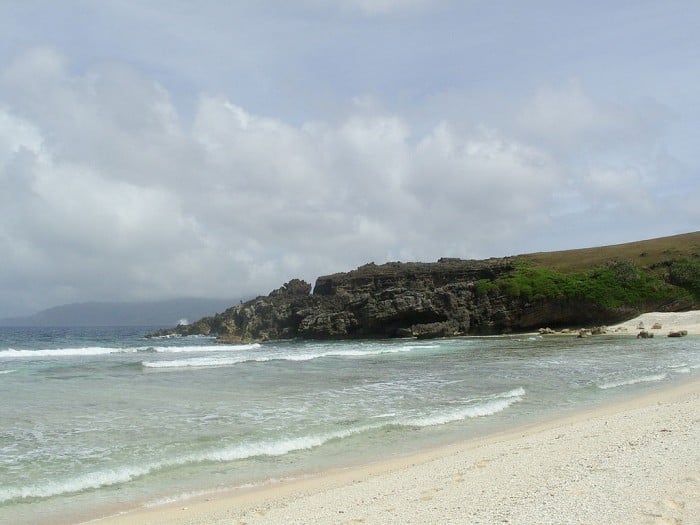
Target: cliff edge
column 460, row 297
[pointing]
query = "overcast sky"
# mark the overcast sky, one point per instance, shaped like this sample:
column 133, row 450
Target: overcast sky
column 157, row 149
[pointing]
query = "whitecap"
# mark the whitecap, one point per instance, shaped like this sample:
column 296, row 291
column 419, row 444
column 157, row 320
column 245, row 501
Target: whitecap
column 64, row 352
column 116, row 476
column 91, row 480
column 204, row 348
column 487, row 407
column 100, row 350
column 207, row 362
column 633, row 381
column 198, row 362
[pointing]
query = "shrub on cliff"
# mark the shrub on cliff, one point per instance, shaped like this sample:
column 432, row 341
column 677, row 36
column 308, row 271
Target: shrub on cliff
column 686, row 274
column 612, row 285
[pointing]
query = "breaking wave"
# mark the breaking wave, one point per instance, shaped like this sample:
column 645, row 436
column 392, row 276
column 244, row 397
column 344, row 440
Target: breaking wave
column 279, row 447
column 633, row 381
column 495, row 404
column 100, row 350
column 106, row 477
column 199, row 362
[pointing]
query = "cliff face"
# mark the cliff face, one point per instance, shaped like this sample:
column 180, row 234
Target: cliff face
column 449, row 297
column 573, row 288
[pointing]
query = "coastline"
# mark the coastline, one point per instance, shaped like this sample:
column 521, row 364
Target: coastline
column 669, row 321
column 629, row 461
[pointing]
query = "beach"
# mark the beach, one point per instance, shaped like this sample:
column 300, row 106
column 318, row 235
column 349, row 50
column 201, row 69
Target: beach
column 635, row 461
column 668, row 321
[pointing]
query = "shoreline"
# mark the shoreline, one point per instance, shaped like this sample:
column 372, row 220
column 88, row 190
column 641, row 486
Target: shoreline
column 659, row 324
column 628, row 461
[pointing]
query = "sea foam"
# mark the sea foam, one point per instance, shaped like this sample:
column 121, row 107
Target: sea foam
column 100, row 350
column 106, row 477
column 487, row 407
column 633, row 381
column 200, row 362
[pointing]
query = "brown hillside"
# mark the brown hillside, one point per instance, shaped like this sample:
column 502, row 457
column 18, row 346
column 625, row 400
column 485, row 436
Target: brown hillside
column 643, row 253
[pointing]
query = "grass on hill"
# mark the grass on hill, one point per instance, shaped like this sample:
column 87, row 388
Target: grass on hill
column 642, row 253
column 653, row 272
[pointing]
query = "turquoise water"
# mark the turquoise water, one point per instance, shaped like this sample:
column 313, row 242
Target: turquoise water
column 93, row 420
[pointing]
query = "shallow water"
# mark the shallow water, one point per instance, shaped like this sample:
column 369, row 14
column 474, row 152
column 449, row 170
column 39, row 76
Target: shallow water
column 103, row 418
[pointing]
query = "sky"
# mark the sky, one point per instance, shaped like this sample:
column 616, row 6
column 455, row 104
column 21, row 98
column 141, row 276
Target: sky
column 159, row 149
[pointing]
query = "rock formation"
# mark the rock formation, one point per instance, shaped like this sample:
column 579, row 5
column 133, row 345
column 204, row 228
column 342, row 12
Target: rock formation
column 576, row 288
column 446, row 298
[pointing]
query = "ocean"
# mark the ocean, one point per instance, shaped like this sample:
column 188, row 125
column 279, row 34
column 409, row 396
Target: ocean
column 96, row 420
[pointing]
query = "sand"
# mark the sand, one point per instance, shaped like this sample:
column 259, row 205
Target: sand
column 669, row 321
column 628, row 462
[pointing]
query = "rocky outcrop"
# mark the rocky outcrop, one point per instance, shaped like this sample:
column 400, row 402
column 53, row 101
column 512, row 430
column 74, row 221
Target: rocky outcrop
column 421, row 300
column 275, row 316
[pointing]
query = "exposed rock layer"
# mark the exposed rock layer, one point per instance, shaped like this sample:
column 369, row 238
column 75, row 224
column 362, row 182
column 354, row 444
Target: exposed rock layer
column 407, row 299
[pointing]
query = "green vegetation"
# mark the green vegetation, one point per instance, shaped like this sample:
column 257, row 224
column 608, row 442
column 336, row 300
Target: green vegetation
column 686, row 274
column 644, row 254
column 613, row 284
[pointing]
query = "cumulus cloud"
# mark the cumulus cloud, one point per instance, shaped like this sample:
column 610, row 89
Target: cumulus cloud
column 108, row 192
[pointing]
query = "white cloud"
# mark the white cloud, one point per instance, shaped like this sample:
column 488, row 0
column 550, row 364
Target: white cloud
column 569, row 118
column 378, row 7
column 108, row 192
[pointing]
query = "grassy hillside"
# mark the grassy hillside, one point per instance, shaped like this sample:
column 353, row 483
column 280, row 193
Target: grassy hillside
column 643, row 254
column 662, row 272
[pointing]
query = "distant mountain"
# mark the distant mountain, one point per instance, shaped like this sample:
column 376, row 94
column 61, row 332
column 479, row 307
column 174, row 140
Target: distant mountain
column 151, row 313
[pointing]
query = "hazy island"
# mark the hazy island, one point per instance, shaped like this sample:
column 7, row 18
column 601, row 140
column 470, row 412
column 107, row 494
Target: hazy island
column 573, row 288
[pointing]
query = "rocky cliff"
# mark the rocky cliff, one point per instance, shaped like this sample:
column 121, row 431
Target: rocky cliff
column 456, row 297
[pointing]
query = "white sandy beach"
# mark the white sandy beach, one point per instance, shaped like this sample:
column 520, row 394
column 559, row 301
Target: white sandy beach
column 630, row 462
column 669, row 321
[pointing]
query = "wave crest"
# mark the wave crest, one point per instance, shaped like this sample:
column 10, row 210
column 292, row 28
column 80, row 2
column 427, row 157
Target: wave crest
column 633, row 381
column 489, row 407
column 107, row 477
column 101, row 350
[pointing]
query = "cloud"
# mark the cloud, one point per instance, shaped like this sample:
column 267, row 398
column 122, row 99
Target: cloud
column 568, row 118
column 109, row 192
column 379, row 7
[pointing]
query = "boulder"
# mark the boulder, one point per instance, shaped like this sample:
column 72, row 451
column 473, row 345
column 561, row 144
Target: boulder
column 645, row 335
column 678, row 333
column 434, row 330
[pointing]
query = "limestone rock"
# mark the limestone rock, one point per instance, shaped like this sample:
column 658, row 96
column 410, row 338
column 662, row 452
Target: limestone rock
column 442, row 299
